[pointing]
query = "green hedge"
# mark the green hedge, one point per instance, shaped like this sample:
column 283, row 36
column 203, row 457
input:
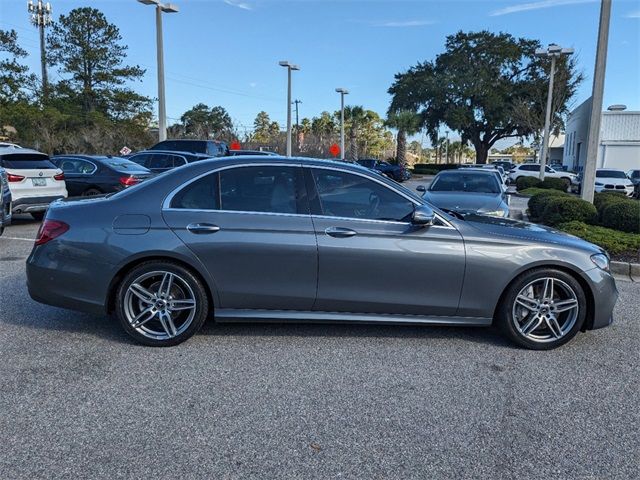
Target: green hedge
column 561, row 209
column 523, row 183
column 538, row 202
column 621, row 215
column 612, row 241
column 555, row 184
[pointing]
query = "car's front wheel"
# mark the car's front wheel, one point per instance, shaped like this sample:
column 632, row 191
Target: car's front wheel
column 161, row 303
column 542, row 309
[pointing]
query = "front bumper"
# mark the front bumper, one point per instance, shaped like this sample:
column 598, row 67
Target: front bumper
column 605, row 295
column 33, row 204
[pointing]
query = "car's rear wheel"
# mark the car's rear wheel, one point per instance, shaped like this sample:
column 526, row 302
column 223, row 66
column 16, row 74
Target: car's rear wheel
column 542, row 309
column 91, row 192
column 161, row 303
column 38, row 215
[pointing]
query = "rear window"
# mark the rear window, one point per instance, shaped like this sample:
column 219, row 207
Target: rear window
column 125, row 166
column 18, row 161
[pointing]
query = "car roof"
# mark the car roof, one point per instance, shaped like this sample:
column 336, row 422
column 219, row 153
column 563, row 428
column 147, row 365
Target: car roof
column 175, row 152
column 471, row 169
column 19, row 151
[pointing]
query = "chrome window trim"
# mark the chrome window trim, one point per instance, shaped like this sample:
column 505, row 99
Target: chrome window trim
column 167, row 201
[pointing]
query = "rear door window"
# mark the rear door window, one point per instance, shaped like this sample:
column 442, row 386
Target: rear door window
column 17, row 161
column 260, row 189
column 199, row 195
column 75, row 165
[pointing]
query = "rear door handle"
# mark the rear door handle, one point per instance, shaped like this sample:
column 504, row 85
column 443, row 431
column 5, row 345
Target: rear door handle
column 202, row 228
column 340, row 232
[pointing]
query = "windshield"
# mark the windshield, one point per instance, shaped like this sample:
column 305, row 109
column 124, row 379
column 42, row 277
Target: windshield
column 610, row 174
column 465, row 182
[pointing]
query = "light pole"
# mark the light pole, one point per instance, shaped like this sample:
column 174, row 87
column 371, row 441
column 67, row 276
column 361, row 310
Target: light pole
column 342, row 92
column 289, row 67
column 162, row 109
column 589, row 173
column 41, row 18
column 554, row 52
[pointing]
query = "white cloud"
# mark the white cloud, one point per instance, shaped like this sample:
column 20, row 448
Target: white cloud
column 406, row 23
column 253, row 84
column 525, row 7
column 239, row 4
column 635, row 14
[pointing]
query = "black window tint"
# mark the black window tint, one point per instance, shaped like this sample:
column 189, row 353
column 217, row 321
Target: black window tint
column 141, row 159
column 259, row 189
column 347, row 195
column 161, row 161
column 19, row 161
column 199, row 195
column 530, row 168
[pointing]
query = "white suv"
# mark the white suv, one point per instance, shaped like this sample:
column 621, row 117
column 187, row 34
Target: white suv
column 34, row 181
column 533, row 170
column 610, row 180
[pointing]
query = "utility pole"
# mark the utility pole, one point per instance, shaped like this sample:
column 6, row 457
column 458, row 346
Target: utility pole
column 554, row 52
column 289, row 66
column 41, row 18
column 593, row 145
column 296, row 102
column 162, row 109
column 342, row 92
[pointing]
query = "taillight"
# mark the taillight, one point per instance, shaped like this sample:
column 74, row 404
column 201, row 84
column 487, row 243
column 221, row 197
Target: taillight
column 59, row 177
column 49, row 230
column 14, row 178
column 129, row 181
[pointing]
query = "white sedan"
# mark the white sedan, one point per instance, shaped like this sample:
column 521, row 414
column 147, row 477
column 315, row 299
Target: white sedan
column 610, row 180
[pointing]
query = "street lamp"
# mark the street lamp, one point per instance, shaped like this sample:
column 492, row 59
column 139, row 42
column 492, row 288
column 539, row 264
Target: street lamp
column 162, row 109
column 554, row 52
column 289, row 67
column 342, row 92
column 41, row 18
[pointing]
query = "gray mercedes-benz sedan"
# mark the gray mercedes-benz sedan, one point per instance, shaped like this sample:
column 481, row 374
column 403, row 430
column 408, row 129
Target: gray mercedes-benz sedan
column 291, row 239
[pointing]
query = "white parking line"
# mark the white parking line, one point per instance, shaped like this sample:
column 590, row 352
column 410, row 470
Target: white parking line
column 17, row 238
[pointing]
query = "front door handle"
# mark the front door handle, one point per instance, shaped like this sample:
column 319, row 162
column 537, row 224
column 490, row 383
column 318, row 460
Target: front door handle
column 202, row 228
column 340, row 232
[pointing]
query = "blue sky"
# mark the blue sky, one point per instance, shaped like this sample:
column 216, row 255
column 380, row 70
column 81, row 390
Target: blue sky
column 226, row 52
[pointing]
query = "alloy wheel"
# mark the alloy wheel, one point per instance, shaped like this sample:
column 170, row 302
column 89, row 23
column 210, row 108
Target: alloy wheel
column 545, row 310
column 159, row 305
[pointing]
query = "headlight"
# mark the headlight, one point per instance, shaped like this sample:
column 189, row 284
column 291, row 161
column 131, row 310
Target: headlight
column 601, row 261
column 495, row 213
column 599, row 184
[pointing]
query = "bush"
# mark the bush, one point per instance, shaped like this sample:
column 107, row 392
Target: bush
column 538, row 202
column 523, row 183
column 561, row 209
column 599, row 199
column 426, row 171
column 530, row 192
column 621, row 215
column 554, row 184
column 611, row 240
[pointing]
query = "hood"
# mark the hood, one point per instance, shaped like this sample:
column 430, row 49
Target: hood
column 464, row 201
column 531, row 232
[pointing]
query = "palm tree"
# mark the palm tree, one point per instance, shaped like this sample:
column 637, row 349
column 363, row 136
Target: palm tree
column 407, row 123
column 354, row 117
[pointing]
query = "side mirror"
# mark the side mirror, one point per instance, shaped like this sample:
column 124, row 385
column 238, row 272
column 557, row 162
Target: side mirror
column 423, row 216
column 421, row 188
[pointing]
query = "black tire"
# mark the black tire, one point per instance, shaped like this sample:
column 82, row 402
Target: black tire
column 39, row 216
column 195, row 284
column 91, row 192
column 504, row 314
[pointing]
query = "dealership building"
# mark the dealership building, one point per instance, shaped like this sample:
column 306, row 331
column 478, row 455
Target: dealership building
column 619, row 143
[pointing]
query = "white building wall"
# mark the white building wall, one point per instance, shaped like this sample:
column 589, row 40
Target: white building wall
column 619, row 145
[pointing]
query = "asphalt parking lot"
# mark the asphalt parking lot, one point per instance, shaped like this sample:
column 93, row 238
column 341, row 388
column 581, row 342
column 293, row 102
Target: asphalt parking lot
column 79, row 400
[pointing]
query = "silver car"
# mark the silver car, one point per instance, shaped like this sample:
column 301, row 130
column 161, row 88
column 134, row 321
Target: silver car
column 281, row 239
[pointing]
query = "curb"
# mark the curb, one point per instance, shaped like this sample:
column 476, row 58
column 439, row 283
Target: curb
column 629, row 272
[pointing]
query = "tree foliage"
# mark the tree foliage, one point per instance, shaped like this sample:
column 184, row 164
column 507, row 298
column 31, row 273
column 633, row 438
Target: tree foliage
column 202, row 121
column 16, row 83
column 407, row 123
column 480, row 85
column 87, row 50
